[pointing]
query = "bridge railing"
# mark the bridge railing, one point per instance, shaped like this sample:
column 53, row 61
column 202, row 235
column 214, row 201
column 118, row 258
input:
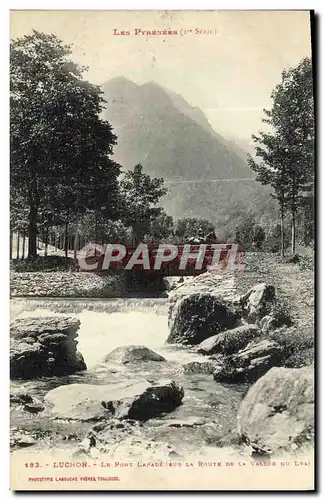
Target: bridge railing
column 170, row 267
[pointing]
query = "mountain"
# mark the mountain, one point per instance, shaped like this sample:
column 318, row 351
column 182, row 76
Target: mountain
column 171, row 139
column 158, row 128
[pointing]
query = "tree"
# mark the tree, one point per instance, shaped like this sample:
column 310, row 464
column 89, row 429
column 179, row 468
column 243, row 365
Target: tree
column 60, row 146
column 272, row 170
column 287, row 152
column 258, row 237
column 244, row 232
column 139, row 196
column 161, row 227
column 188, row 227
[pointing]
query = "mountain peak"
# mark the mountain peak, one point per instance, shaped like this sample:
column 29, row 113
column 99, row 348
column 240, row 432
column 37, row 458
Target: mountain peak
column 120, row 82
column 152, row 83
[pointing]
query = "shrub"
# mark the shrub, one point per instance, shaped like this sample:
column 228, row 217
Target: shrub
column 47, row 264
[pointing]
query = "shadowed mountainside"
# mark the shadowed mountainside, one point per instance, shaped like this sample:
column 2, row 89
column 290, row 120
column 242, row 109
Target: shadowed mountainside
column 171, row 139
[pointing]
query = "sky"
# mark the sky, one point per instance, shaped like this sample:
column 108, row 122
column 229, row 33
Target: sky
column 228, row 73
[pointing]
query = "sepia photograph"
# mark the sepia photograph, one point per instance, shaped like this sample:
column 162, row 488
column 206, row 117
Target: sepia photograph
column 162, row 240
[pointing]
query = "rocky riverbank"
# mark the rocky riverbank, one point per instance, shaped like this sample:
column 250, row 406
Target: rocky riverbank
column 44, row 347
column 65, row 284
column 73, row 284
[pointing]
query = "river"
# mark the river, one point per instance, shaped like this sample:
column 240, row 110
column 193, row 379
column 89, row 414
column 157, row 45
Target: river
column 106, row 324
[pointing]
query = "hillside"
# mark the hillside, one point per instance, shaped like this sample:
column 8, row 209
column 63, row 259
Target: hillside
column 160, row 129
column 171, row 139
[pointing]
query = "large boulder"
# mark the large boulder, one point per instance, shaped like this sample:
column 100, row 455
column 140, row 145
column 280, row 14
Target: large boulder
column 198, row 317
column 277, row 414
column 250, row 363
column 132, row 354
column 258, row 301
column 44, row 347
column 230, row 341
column 134, row 399
column 35, row 326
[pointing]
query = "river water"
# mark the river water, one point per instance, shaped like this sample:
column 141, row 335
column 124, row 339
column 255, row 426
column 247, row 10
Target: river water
column 106, row 324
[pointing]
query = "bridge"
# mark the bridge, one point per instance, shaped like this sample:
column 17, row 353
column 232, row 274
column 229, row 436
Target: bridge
column 190, row 260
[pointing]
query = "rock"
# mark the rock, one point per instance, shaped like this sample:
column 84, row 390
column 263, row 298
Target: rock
column 198, row 317
column 122, row 439
column 250, row 363
column 132, row 354
column 267, row 323
column 20, row 397
column 134, row 399
column 277, row 414
column 295, row 259
column 84, row 448
column 65, row 284
column 204, row 367
column 257, row 302
column 118, row 428
column 125, row 439
column 55, row 338
column 230, row 341
column 279, row 317
column 35, row 326
column 230, row 439
column 29, row 340
column 138, row 448
column 189, row 422
column 297, row 343
column 44, row 346
column 104, row 435
column 22, row 440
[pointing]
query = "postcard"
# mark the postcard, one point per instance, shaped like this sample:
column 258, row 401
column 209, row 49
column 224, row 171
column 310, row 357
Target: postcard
column 162, row 244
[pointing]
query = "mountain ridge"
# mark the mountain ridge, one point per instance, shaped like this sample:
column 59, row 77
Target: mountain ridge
column 150, row 119
column 158, row 128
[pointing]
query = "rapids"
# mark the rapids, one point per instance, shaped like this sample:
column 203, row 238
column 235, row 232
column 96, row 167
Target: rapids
column 107, row 324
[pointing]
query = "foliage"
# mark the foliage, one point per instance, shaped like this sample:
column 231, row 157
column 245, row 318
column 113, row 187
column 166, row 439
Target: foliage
column 258, row 237
column 140, row 195
column 161, row 227
column 48, row 264
column 272, row 238
column 60, row 146
column 189, row 227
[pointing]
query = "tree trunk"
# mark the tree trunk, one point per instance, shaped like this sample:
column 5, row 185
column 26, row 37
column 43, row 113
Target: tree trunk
column 96, row 233
column 10, row 242
column 23, row 245
column 18, row 245
column 32, row 232
column 135, row 237
column 282, row 235
column 76, row 240
column 46, row 241
column 66, row 237
column 293, row 233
